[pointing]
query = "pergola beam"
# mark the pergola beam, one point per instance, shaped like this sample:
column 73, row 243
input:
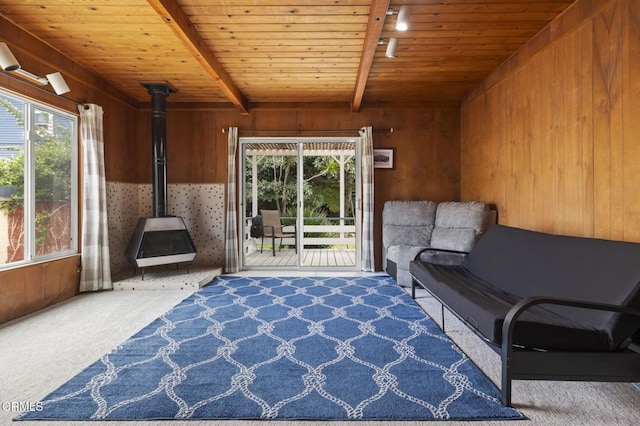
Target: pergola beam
column 377, row 15
column 173, row 15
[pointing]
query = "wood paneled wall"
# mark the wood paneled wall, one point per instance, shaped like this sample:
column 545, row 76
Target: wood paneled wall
column 28, row 288
column 426, row 141
column 553, row 137
column 36, row 286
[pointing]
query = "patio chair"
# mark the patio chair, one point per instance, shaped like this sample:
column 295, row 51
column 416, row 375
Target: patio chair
column 272, row 227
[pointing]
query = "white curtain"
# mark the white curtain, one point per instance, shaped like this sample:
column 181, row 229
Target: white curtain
column 231, row 254
column 368, row 261
column 96, row 270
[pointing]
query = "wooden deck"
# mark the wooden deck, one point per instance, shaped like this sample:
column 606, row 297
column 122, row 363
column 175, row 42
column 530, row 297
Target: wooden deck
column 317, row 258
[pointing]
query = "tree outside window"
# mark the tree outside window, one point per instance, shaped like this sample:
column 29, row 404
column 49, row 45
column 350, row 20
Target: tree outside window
column 37, row 188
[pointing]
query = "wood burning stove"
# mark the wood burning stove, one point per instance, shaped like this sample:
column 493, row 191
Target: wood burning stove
column 161, row 239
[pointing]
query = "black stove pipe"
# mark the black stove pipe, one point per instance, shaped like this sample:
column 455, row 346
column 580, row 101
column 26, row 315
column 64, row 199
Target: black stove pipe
column 159, row 93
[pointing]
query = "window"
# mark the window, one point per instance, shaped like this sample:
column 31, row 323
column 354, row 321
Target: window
column 38, row 184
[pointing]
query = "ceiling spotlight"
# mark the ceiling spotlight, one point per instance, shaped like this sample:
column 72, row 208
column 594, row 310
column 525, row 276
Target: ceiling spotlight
column 9, row 63
column 402, row 23
column 392, row 46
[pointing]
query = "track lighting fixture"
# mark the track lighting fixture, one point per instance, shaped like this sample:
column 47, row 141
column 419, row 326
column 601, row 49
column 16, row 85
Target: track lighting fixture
column 9, row 63
column 392, row 46
column 402, row 23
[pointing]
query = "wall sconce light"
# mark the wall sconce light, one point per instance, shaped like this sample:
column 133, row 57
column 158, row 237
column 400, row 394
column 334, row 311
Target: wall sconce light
column 402, row 23
column 9, row 63
column 56, row 80
column 392, row 46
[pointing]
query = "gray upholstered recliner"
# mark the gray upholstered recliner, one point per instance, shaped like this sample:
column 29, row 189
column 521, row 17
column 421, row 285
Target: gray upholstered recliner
column 433, row 232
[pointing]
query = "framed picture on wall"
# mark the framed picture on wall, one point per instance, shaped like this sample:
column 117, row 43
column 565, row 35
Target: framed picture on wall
column 383, row 158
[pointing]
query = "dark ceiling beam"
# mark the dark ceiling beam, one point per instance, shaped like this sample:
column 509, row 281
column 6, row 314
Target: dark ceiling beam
column 377, row 15
column 173, row 15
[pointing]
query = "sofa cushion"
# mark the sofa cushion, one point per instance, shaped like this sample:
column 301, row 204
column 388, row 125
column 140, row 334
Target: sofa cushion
column 484, row 307
column 453, row 239
column 458, row 225
column 527, row 263
column 408, row 223
column 400, row 256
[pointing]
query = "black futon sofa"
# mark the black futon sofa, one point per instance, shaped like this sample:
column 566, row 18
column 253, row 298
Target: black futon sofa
column 555, row 307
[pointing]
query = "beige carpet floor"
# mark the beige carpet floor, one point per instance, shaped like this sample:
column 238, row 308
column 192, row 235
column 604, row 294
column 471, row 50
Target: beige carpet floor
column 41, row 351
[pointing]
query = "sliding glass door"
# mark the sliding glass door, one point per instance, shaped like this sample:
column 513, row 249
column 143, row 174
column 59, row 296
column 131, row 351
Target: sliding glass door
column 269, row 187
column 312, row 184
column 328, row 182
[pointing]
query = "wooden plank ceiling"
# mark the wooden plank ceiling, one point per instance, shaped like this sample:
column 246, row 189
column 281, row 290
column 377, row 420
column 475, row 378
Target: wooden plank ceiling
column 270, row 51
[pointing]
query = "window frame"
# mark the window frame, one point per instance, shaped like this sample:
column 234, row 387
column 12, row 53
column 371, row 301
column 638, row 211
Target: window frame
column 29, row 238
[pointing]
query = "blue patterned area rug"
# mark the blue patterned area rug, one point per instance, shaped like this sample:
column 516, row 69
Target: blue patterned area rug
column 284, row 348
